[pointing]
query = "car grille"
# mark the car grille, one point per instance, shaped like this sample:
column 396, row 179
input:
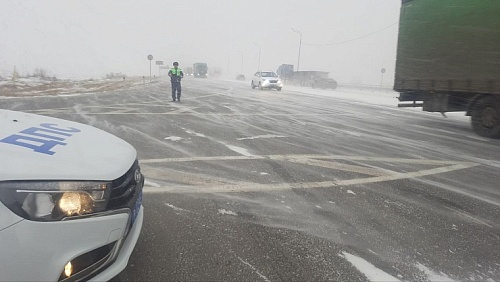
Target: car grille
column 273, row 81
column 124, row 190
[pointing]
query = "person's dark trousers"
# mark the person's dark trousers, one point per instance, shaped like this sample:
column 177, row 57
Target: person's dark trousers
column 176, row 87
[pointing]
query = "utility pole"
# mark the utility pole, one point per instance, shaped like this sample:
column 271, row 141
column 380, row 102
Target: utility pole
column 300, row 46
column 260, row 49
column 241, row 65
column 382, row 78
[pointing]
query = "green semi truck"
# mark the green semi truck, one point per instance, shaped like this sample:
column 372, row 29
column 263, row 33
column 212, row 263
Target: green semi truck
column 200, row 70
column 448, row 59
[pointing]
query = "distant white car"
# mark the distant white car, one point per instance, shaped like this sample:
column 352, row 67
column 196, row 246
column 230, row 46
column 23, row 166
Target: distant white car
column 266, row 79
column 70, row 200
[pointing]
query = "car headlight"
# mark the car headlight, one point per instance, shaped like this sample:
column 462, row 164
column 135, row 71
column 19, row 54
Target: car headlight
column 52, row 201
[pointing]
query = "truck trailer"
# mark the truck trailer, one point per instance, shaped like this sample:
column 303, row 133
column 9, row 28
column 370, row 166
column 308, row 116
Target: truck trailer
column 448, row 59
column 314, row 79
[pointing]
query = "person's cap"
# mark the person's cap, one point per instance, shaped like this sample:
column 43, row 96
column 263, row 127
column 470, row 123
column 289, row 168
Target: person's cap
column 176, row 63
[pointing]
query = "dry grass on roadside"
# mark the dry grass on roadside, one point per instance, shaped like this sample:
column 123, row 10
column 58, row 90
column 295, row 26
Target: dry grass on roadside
column 28, row 88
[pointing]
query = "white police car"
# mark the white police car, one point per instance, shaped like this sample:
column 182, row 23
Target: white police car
column 70, row 200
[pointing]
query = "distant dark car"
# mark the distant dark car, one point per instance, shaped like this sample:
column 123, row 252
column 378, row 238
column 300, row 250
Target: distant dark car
column 240, row 77
column 324, row 83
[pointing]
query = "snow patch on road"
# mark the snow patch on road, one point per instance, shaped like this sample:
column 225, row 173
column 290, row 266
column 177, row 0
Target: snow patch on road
column 175, row 208
column 267, row 136
column 152, row 184
column 264, row 173
column 350, row 192
column 368, row 269
column 174, row 138
column 352, row 133
column 224, row 211
column 431, row 275
column 239, row 150
column 190, row 132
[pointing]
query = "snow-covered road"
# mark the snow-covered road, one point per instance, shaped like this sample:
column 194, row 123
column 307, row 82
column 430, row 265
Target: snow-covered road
column 302, row 184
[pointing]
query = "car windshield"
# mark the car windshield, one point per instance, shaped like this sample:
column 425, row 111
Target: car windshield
column 325, row 140
column 269, row 74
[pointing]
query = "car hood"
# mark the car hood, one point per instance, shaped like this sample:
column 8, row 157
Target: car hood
column 35, row 147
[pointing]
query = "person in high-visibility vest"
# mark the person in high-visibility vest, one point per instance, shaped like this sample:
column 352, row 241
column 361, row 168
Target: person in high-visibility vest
column 176, row 75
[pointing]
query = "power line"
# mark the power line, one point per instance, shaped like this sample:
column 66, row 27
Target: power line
column 354, row 39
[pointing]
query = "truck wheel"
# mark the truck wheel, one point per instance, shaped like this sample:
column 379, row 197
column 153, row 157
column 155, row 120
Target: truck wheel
column 253, row 86
column 279, row 88
column 485, row 118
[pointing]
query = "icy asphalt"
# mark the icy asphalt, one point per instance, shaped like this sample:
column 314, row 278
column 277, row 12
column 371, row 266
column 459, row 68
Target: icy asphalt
column 299, row 185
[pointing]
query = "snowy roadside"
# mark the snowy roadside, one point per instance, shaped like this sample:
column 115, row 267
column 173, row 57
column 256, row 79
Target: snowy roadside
column 367, row 96
column 386, row 98
column 379, row 98
column 34, row 86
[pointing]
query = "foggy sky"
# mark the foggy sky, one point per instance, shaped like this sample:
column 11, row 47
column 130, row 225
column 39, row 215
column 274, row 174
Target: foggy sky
column 71, row 38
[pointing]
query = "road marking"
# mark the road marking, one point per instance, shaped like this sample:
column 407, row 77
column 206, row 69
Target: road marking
column 469, row 217
column 194, row 159
column 155, row 99
column 255, row 270
column 186, row 112
column 307, row 156
column 368, row 269
column 339, row 166
column 243, row 187
column 122, row 109
column 432, row 275
column 198, row 183
column 208, row 95
column 398, row 176
column 261, row 137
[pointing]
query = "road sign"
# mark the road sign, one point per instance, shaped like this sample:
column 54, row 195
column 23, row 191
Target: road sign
column 159, row 63
column 150, row 57
column 382, row 78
